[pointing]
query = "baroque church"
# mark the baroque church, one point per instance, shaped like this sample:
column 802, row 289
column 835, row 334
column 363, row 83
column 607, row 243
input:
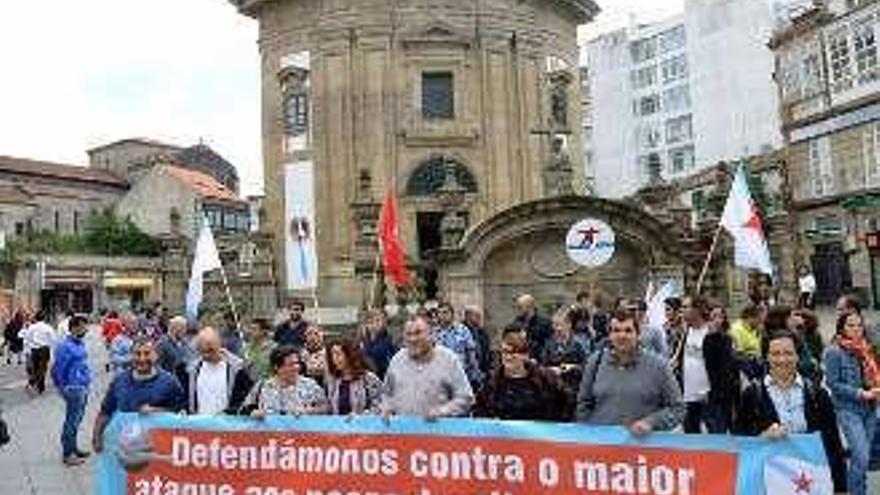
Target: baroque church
column 470, row 112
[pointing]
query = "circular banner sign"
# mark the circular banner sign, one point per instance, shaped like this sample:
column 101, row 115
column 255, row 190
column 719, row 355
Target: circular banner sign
column 590, row 242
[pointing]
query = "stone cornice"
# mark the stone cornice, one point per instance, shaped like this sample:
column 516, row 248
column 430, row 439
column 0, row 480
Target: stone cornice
column 249, row 8
column 586, row 10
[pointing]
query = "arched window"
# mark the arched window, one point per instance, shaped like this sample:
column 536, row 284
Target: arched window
column 431, row 174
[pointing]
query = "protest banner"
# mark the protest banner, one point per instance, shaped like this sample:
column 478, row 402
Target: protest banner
column 177, row 455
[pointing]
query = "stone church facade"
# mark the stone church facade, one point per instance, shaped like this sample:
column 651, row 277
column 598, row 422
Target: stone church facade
column 465, row 108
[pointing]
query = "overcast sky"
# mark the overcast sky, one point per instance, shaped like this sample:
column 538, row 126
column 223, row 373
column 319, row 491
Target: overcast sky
column 78, row 74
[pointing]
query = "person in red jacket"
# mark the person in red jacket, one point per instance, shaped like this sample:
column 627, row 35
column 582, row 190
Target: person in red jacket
column 111, row 327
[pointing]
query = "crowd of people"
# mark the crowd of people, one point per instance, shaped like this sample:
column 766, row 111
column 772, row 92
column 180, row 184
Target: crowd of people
column 767, row 373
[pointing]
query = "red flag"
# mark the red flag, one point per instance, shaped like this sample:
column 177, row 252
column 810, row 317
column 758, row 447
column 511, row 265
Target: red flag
column 393, row 254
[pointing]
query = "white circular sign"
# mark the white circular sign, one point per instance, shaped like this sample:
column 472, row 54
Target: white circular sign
column 590, row 242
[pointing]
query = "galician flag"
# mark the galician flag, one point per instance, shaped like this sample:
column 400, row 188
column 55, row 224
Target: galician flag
column 206, row 259
column 741, row 219
column 784, row 475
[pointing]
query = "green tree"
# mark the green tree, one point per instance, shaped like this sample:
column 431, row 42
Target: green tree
column 111, row 235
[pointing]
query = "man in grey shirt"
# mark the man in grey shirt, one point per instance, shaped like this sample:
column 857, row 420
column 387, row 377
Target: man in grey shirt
column 623, row 385
column 425, row 379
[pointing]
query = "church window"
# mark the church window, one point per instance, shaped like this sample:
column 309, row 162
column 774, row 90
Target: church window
column 438, row 95
column 296, row 113
column 430, row 176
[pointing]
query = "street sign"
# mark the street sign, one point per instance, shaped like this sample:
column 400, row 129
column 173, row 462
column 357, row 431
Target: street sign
column 590, row 242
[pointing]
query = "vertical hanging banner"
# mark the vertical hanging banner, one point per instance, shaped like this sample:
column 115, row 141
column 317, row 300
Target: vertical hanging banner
column 151, row 454
column 299, row 226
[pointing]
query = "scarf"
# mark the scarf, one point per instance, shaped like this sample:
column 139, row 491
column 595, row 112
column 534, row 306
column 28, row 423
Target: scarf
column 863, row 352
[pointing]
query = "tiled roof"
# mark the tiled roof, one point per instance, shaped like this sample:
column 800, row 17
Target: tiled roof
column 202, row 154
column 204, row 185
column 15, row 194
column 72, row 173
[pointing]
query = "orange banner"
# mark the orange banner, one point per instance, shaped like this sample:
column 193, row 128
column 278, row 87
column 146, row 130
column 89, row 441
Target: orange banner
column 203, row 462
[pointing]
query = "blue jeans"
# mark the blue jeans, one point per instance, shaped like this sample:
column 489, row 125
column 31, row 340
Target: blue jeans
column 875, row 448
column 75, row 399
column 858, row 428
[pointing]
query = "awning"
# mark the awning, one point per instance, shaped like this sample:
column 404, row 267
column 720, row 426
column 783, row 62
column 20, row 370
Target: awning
column 128, row 283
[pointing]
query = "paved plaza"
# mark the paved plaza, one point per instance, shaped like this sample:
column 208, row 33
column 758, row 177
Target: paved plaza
column 31, row 463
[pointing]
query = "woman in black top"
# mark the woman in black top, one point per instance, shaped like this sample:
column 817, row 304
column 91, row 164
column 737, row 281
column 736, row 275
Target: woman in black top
column 783, row 403
column 519, row 389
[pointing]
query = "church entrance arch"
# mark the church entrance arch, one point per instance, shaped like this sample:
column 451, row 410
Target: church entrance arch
column 425, row 190
column 522, row 249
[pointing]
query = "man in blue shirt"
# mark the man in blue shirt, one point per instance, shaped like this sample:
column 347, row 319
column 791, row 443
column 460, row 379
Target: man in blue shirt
column 144, row 388
column 71, row 375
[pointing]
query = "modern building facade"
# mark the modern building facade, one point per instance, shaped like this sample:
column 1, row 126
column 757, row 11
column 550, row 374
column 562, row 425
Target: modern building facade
column 462, row 108
column 695, row 89
column 828, row 78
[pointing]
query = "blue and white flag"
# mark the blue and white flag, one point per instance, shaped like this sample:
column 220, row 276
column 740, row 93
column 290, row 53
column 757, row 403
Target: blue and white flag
column 299, row 234
column 742, row 221
column 205, row 259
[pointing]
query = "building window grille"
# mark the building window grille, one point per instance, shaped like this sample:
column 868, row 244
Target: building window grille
column 643, row 50
column 681, row 159
column 838, row 51
column 871, row 153
column 672, row 39
column 650, row 137
column 677, row 99
column 647, row 105
column 679, row 129
column 821, row 175
column 865, row 50
column 674, row 69
column 438, row 95
column 644, row 77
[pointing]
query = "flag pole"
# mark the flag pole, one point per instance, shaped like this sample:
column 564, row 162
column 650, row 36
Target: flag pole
column 229, row 297
column 709, row 255
column 375, row 283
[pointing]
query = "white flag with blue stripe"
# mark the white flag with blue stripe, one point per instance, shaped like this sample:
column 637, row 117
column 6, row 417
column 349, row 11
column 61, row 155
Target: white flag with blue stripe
column 206, row 258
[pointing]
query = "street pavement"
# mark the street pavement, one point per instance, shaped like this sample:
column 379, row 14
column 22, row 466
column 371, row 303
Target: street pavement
column 31, row 463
